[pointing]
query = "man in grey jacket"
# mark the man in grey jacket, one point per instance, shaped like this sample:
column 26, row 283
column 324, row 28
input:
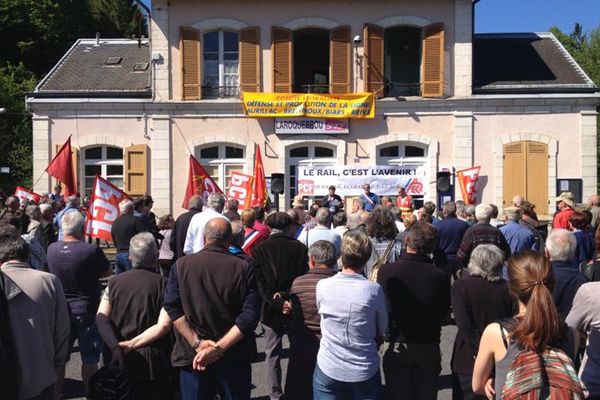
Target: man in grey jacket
column 38, row 319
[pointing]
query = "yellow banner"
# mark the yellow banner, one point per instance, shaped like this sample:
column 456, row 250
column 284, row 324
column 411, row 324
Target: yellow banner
column 360, row 105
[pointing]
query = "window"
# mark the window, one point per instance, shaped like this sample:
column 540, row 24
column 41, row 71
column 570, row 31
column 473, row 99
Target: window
column 311, row 155
column 401, row 153
column 106, row 161
column 311, row 61
column 220, row 161
column 403, row 61
column 221, row 64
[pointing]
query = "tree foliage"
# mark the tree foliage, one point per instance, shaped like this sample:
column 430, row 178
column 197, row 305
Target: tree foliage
column 35, row 34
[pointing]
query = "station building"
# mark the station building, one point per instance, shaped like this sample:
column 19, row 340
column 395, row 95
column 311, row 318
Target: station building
column 517, row 105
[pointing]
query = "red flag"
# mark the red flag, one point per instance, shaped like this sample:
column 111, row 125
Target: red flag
column 466, row 179
column 103, row 209
column 199, row 182
column 259, row 182
column 61, row 167
column 23, row 193
column 240, row 188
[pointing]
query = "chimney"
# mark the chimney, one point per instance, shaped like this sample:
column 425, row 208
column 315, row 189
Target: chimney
column 97, row 38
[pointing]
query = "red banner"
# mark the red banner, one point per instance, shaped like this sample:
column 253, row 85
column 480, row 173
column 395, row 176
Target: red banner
column 61, row 167
column 240, row 188
column 199, row 183
column 466, row 180
column 259, row 182
column 26, row 194
column 103, row 209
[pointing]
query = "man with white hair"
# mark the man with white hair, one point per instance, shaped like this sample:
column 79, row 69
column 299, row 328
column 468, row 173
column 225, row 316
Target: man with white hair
column 481, row 232
column 194, row 240
column 123, row 229
column 560, row 250
column 594, row 204
column 72, row 205
column 79, row 266
column 182, row 224
column 321, row 231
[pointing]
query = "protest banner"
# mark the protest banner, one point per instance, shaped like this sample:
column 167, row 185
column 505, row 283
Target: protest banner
column 26, row 194
column 103, row 209
column 348, row 180
column 199, row 183
column 359, row 105
column 240, row 188
column 466, row 180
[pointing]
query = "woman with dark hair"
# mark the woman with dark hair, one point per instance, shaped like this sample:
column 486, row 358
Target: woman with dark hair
column 537, row 326
column 579, row 224
column 479, row 297
column 381, row 229
column 353, row 321
column 165, row 253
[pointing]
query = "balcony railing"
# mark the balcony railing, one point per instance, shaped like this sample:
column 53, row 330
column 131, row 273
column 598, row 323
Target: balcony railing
column 402, row 89
column 311, row 88
column 220, row 92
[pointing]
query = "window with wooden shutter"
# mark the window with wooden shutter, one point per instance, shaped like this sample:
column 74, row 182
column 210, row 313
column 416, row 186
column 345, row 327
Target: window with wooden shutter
column 189, row 47
column 281, row 53
column 433, row 61
column 374, row 59
column 250, row 60
column 136, row 170
column 537, row 175
column 340, row 54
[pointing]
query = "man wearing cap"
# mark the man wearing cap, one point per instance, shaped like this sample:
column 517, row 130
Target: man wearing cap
column 298, row 206
column 565, row 203
column 517, row 236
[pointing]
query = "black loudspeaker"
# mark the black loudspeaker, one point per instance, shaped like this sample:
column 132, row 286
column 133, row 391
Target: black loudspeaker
column 442, row 181
column 277, row 183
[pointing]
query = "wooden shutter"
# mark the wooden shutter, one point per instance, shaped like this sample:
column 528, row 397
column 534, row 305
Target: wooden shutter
column 374, row 59
column 514, row 171
column 250, row 60
column 340, row 60
column 537, row 175
column 75, row 162
column 432, row 82
column 189, row 47
column 281, row 53
column 136, row 170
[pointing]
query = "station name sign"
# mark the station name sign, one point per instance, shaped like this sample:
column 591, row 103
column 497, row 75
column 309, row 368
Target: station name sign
column 356, row 106
column 311, row 125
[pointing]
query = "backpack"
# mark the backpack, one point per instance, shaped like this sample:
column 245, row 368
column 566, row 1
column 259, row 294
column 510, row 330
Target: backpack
column 381, row 260
column 110, row 383
column 546, row 375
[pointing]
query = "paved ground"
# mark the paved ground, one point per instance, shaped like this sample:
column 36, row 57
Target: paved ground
column 74, row 389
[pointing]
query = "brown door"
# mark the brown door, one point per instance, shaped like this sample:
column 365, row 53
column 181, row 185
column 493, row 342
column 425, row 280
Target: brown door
column 526, row 173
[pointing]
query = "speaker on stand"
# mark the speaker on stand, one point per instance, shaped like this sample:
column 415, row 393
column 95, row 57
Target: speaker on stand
column 277, row 187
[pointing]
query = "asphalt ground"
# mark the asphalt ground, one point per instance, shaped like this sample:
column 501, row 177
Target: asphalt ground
column 73, row 388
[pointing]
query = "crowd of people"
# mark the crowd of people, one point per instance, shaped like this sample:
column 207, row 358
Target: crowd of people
column 362, row 295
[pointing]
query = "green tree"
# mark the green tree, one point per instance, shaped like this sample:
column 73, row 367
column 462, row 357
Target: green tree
column 585, row 49
column 117, row 18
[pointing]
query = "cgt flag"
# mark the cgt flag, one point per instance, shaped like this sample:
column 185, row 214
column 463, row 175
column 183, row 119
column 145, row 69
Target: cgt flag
column 26, row 194
column 103, row 209
column 466, row 180
column 61, row 167
column 259, row 182
column 199, row 183
column 240, row 188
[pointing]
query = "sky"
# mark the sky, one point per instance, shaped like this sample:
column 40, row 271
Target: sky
column 533, row 15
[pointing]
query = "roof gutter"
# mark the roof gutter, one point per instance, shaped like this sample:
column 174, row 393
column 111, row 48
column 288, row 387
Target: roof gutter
column 537, row 90
column 109, row 95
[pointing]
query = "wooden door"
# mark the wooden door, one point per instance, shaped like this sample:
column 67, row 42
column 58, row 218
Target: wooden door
column 526, row 173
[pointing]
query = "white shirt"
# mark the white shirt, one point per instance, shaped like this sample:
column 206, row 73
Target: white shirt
column 194, row 239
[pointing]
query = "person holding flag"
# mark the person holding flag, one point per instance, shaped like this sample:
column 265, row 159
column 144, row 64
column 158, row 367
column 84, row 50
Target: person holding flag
column 61, row 168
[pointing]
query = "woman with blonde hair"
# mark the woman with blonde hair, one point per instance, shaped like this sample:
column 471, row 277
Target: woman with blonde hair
column 537, row 328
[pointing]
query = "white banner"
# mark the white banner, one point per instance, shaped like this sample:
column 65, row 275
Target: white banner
column 348, row 180
column 311, row 125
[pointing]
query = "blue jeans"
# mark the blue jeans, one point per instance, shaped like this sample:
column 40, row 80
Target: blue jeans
column 122, row 262
column 83, row 328
column 326, row 388
column 231, row 379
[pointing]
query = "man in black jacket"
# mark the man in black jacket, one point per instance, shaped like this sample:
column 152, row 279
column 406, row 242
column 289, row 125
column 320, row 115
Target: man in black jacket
column 212, row 300
column 181, row 226
column 278, row 261
column 417, row 294
column 123, row 229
